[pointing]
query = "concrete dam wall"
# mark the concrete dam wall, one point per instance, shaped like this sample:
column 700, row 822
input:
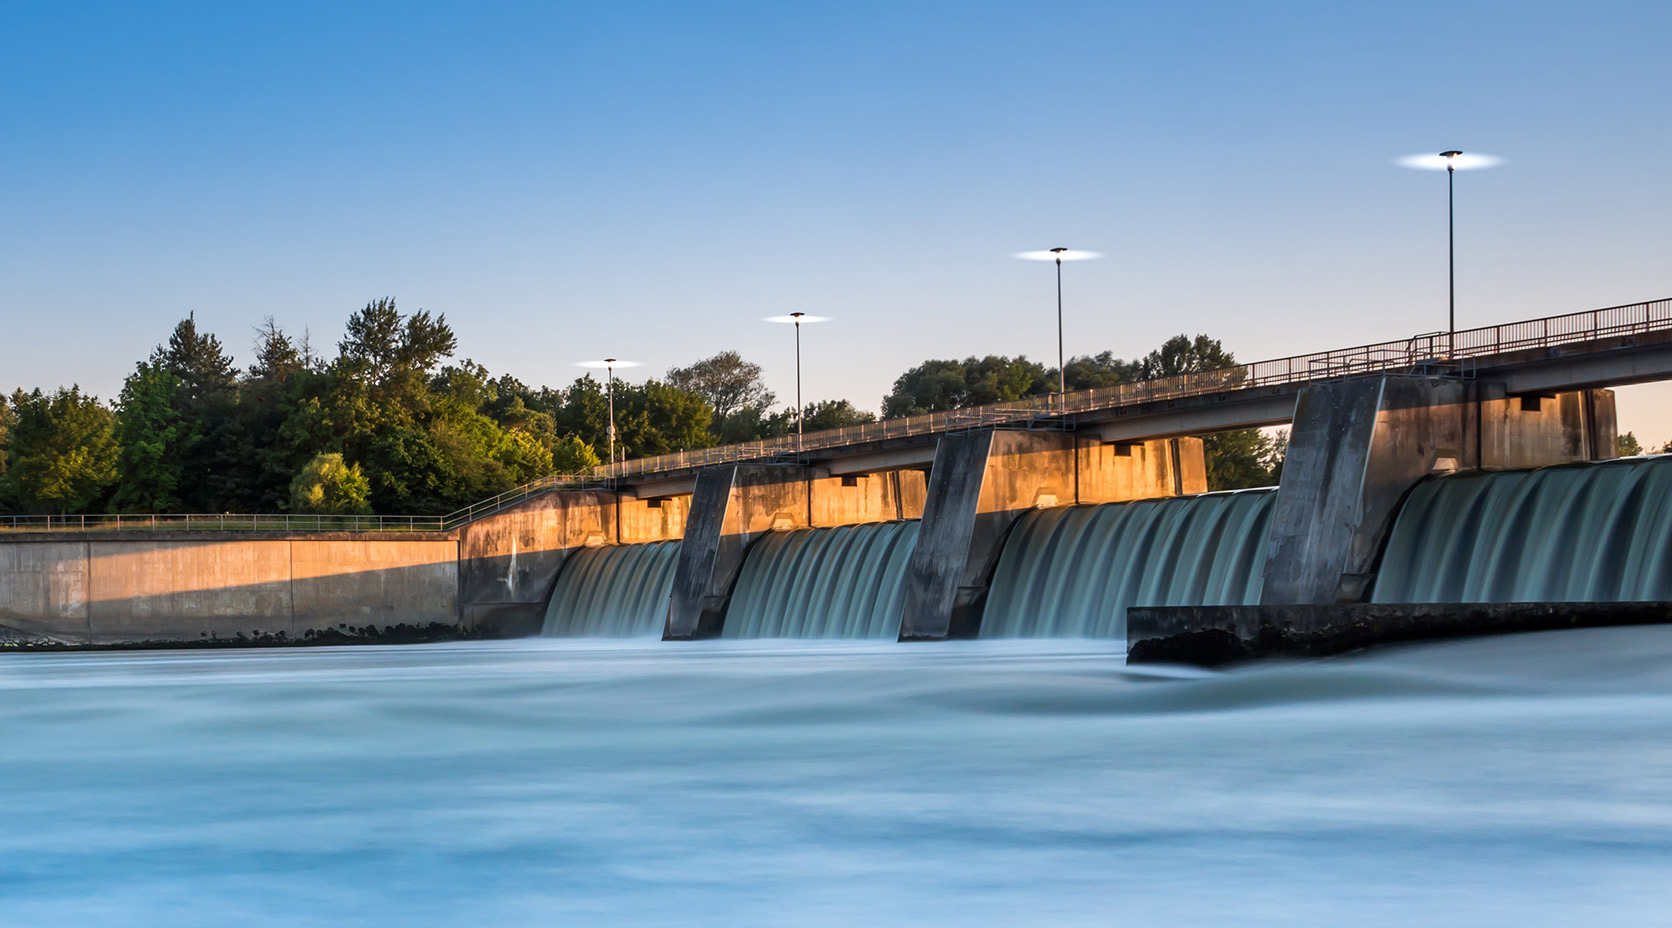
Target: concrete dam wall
column 1004, row 533
column 135, row 587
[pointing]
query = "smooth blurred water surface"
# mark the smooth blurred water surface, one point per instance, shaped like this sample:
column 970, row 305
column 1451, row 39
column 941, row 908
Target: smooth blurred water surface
column 1512, row 781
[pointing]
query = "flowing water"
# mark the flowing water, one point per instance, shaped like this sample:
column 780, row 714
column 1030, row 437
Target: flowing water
column 846, row 582
column 1582, row 533
column 613, row 592
column 1517, row 781
column 1072, row 571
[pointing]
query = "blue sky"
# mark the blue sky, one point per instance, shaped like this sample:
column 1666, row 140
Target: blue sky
column 647, row 180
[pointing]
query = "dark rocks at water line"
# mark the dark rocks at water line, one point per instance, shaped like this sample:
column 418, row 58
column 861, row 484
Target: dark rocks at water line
column 12, row 639
column 1210, row 636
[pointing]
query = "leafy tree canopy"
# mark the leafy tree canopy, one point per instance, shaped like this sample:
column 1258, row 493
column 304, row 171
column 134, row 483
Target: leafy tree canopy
column 328, row 485
column 63, row 453
column 726, row 381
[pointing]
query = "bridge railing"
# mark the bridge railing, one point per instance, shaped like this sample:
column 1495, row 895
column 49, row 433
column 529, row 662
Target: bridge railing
column 1427, row 351
column 222, row 522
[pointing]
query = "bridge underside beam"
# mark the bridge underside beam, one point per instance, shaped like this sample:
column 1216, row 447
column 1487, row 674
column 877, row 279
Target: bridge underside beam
column 1558, row 373
column 1198, row 417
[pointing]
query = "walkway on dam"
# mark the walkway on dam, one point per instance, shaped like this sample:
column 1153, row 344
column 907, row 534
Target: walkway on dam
column 1612, row 346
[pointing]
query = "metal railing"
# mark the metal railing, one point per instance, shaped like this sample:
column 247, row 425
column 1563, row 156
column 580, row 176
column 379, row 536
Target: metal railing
column 1426, row 352
column 1434, row 351
column 225, row 522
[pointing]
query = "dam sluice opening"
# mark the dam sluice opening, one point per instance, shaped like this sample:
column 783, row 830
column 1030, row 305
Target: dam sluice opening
column 1597, row 532
column 1072, row 572
column 618, row 591
column 847, row 582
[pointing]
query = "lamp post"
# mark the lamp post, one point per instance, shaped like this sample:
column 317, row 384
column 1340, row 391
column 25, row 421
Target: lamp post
column 609, row 365
column 1059, row 255
column 797, row 319
column 1453, row 161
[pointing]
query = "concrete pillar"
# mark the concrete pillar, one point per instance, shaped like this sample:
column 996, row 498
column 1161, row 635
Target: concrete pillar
column 1358, row 446
column 982, row 482
column 731, row 506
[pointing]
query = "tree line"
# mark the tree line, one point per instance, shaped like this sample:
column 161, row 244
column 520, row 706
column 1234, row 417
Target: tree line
column 391, row 423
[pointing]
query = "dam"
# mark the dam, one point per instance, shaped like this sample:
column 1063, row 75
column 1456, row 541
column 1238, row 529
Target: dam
column 1479, row 471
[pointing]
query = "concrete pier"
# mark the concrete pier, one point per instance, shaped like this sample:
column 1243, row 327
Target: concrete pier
column 731, row 506
column 983, row 481
column 1358, row 446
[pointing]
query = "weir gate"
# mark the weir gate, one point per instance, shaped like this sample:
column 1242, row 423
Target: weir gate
column 759, row 538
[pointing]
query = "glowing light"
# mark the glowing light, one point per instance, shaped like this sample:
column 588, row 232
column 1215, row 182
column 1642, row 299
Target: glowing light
column 791, row 320
column 1066, row 254
column 601, row 365
column 1466, row 161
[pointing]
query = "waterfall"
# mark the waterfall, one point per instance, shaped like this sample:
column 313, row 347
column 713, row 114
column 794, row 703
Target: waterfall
column 1575, row 533
column 846, row 582
column 1071, row 572
column 618, row 591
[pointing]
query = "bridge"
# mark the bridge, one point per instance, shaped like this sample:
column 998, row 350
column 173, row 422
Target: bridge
column 1614, row 346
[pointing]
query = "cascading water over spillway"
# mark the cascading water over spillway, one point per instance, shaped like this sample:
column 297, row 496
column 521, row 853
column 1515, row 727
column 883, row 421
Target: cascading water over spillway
column 613, row 592
column 846, row 582
column 1576, row 533
column 1071, row 572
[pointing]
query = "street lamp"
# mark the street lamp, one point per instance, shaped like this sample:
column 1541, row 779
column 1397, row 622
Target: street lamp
column 797, row 319
column 1452, row 162
column 1059, row 255
column 609, row 365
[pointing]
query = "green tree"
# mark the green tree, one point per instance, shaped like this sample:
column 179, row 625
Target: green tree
column 216, row 453
column 1182, row 354
column 573, row 456
column 834, row 414
column 1628, row 446
column 7, row 419
column 1243, row 458
column 63, row 452
column 381, row 346
column 655, row 418
column 726, row 381
column 328, row 485
column 149, row 432
column 941, row 385
column 1099, row 370
column 277, row 358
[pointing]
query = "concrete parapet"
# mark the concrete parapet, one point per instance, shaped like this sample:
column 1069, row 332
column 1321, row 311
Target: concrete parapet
column 983, row 481
column 1358, row 446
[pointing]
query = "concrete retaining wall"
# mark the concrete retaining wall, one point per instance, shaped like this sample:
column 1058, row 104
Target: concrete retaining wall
column 106, row 589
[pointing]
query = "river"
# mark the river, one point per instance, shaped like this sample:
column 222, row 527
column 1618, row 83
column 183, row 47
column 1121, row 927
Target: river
column 1523, row 780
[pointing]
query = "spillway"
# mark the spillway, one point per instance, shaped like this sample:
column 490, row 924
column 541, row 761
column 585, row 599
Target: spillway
column 1580, row 533
column 846, row 582
column 1071, row 572
column 618, row 591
